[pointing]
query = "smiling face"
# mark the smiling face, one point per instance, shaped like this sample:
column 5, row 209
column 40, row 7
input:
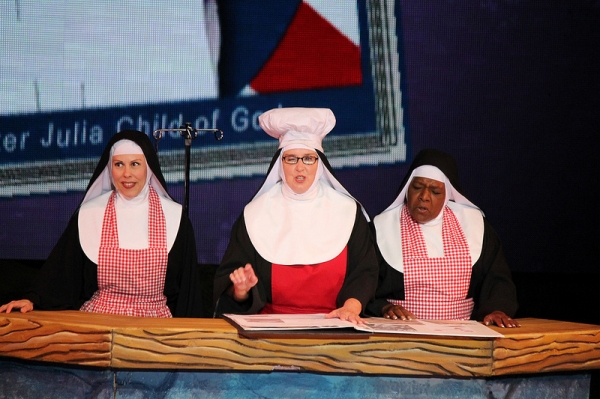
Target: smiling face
column 299, row 177
column 425, row 199
column 129, row 173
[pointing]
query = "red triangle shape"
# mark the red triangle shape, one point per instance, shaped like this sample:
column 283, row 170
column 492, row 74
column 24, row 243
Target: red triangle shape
column 313, row 54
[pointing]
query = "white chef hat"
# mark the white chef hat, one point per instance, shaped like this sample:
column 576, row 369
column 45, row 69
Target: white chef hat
column 296, row 125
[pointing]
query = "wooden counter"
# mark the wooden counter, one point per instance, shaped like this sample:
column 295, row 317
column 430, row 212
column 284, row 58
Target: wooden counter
column 121, row 342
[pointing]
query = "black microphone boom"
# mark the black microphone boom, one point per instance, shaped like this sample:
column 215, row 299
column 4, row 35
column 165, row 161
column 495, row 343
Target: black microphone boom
column 189, row 133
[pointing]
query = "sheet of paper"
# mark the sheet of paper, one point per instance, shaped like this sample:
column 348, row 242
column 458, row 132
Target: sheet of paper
column 465, row 328
column 286, row 322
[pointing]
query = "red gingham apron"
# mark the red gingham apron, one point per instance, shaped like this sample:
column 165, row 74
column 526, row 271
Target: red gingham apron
column 436, row 288
column 131, row 281
column 306, row 289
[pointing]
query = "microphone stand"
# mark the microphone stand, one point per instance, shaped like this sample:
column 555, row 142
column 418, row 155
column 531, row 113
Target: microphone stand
column 189, row 133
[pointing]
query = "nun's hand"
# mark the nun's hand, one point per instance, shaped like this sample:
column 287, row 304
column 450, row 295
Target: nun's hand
column 243, row 280
column 349, row 312
column 500, row 319
column 396, row 312
column 24, row 304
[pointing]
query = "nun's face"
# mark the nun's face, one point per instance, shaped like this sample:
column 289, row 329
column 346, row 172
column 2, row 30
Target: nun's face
column 425, row 199
column 129, row 173
column 299, row 177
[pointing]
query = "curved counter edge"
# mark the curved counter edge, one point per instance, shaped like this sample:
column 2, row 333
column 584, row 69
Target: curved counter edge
column 122, row 342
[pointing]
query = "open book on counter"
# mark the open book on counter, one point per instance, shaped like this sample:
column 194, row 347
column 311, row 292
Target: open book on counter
column 282, row 322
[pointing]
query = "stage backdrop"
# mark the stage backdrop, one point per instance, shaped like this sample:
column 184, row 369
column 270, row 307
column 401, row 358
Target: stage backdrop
column 512, row 89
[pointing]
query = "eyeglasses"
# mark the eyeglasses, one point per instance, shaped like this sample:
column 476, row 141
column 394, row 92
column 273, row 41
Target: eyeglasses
column 306, row 160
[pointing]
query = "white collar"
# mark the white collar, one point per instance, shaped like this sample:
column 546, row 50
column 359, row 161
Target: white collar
column 389, row 236
column 129, row 216
column 288, row 231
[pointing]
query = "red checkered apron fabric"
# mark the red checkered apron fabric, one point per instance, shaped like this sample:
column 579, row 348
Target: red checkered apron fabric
column 436, row 288
column 131, row 281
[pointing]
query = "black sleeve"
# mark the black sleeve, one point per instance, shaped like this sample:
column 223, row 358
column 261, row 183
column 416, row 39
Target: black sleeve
column 491, row 285
column 182, row 281
column 361, row 272
column 390, row 283
column 239, row 252
column 68, row 278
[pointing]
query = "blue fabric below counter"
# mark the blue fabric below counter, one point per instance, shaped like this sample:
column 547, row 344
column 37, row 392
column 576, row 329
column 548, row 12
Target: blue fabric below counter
column 20, row 379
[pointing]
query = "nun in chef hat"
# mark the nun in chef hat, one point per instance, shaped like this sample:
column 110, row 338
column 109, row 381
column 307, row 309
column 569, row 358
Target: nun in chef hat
column 302, row 217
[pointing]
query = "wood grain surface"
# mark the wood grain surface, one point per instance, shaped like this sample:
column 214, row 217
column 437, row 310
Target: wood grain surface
column 109, row 341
